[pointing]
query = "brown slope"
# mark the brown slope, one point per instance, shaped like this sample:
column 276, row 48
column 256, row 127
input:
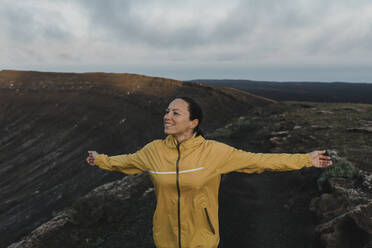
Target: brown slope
column 49, row 120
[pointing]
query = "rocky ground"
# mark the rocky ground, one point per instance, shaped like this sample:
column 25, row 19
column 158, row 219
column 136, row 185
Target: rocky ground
column 310, row 208
column 344, row 209
column 101, row 218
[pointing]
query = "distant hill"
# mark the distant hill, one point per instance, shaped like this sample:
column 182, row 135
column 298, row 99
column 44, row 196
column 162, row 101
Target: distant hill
column 300, row 91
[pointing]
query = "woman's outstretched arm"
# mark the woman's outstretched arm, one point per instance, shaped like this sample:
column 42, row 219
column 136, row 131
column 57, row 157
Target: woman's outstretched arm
column 127, row 163
column 247, row 162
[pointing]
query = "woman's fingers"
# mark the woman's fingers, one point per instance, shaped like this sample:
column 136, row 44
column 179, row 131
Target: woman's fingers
column 324, row 157
column 325, row 163
column 93, row 154
column 319, row 160
column 90, row 159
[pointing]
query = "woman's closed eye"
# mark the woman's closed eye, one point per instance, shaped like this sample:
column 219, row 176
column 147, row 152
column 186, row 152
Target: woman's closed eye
column 167, row 111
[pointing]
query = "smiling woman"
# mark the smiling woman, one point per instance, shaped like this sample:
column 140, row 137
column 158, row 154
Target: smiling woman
column 182, row 118
column 186, row 171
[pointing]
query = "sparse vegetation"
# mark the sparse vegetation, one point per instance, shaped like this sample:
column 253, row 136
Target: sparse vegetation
column 295, row 127
column 341, row 168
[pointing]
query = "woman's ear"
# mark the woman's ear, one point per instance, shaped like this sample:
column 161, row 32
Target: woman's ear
column 194, row 123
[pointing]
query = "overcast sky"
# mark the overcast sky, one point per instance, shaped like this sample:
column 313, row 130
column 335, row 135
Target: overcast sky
column 302, row 40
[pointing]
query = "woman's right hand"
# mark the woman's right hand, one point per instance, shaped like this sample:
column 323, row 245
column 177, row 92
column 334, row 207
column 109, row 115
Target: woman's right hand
column 91, row 159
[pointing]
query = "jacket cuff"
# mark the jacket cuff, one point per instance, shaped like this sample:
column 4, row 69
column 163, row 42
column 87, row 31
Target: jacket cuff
column 98, row 159
column 308, row 160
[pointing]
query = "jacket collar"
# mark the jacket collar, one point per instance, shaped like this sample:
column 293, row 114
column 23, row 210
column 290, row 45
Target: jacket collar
column 171, row 141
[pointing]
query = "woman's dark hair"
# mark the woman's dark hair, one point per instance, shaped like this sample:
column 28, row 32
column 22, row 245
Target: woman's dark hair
column 195, row 113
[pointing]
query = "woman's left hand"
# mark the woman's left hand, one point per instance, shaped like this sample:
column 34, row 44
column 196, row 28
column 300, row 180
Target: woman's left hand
column 320, row 160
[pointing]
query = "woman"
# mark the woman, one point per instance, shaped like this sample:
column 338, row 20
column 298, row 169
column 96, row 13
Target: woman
column 186, row 170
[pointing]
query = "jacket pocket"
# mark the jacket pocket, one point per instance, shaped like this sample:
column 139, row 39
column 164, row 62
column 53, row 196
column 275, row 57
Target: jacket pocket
column 209, row 221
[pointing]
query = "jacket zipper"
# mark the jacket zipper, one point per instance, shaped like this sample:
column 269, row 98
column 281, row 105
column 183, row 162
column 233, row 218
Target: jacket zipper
column 179, row 196
column 209, row 221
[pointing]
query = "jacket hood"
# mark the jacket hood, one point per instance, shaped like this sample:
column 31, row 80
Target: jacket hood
column 194, row 141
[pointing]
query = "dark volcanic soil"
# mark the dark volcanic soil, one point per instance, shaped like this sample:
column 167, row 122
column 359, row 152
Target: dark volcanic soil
column 48, row 122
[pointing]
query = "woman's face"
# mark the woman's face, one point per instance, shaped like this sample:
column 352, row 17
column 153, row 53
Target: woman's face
column 177, row 119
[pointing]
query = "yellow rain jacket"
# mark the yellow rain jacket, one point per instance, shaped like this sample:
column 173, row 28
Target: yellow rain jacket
column 186, row 177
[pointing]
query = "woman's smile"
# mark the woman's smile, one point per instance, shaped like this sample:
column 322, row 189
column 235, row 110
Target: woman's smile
column 168, row 127
column 167, row 124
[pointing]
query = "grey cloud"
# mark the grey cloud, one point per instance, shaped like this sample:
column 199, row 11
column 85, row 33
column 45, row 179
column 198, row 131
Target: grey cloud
column 121, row 20
column 17, row 25
column 281, row 21
column 367, row 38
column 23, row 24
